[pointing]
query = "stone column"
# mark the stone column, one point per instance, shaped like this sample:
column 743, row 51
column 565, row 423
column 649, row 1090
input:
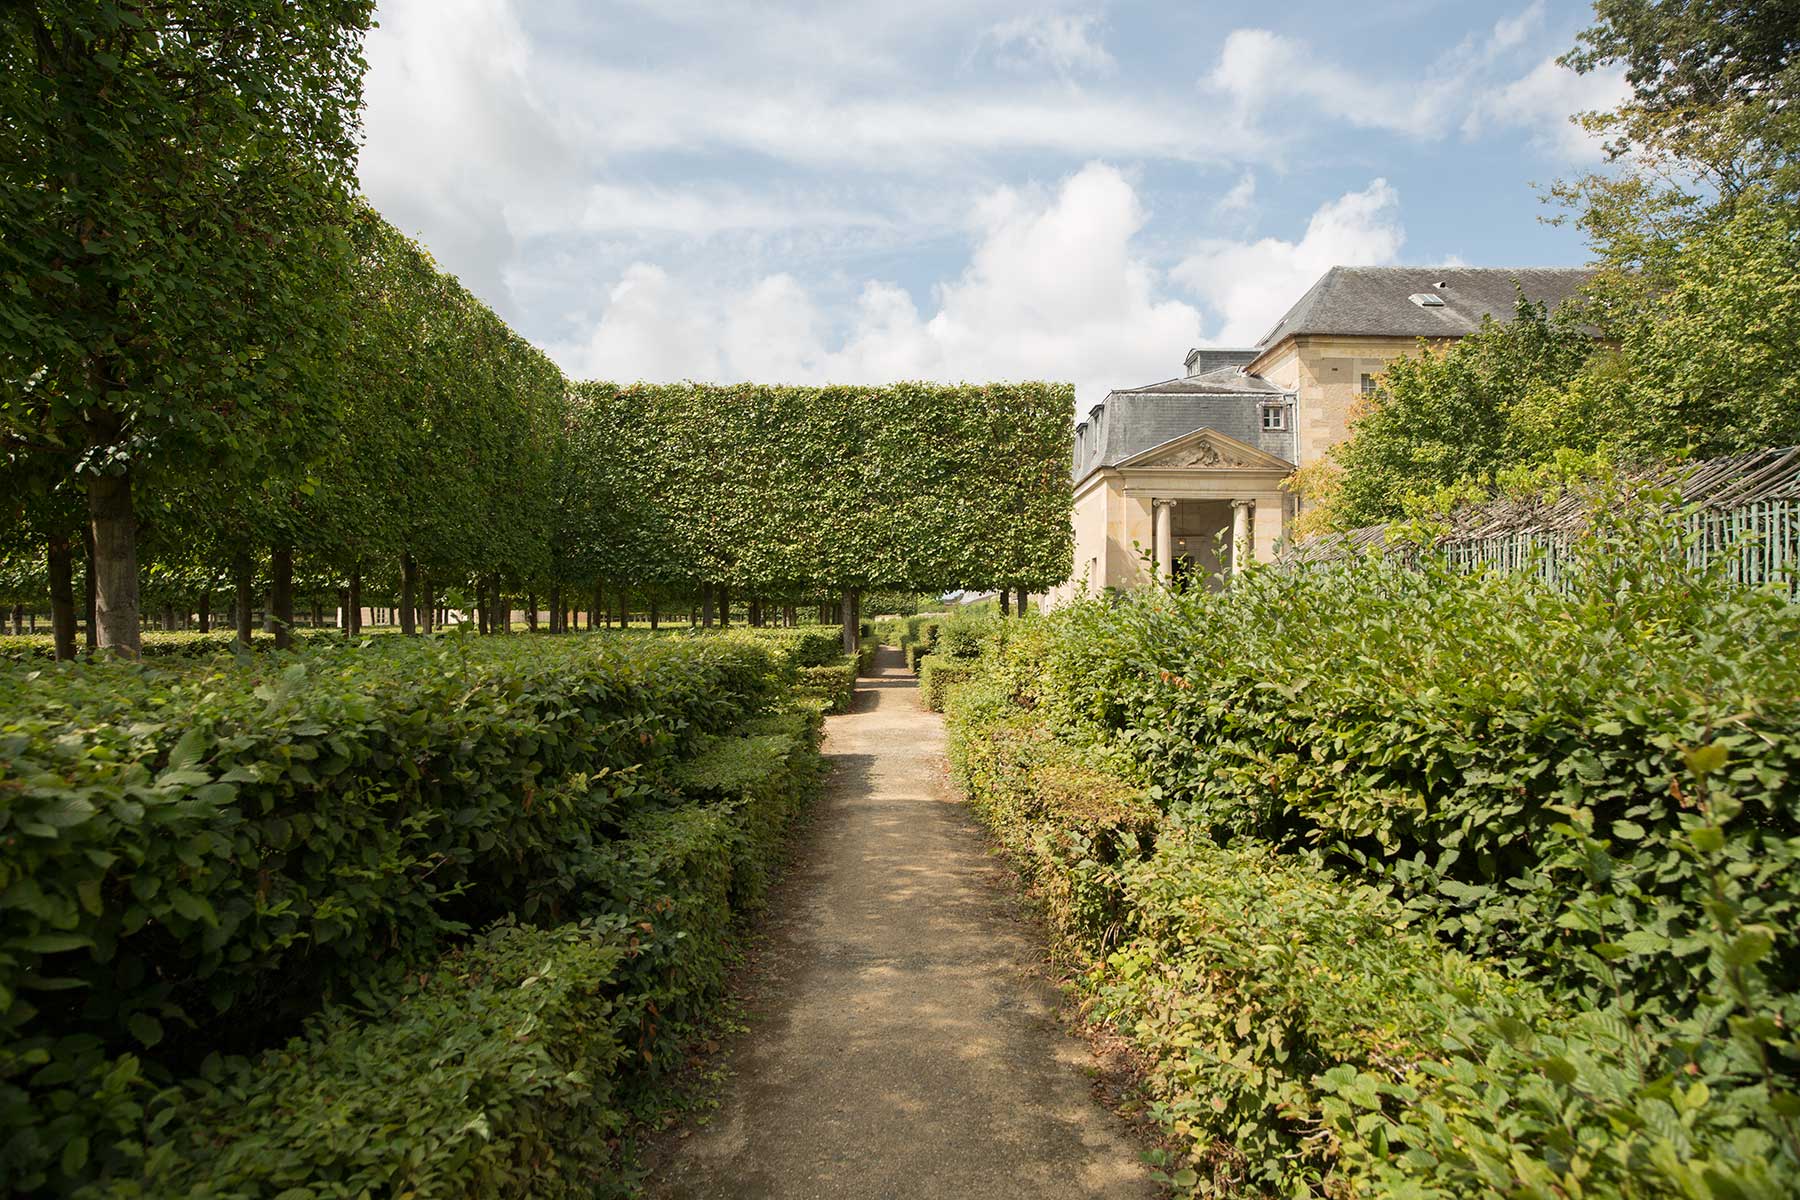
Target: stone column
column 1165, row 539
column 1241, row 550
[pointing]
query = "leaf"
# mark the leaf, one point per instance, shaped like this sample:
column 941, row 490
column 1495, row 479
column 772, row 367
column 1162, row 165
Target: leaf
column 145, row 1028
column 1706, row 760
column 1749, row 947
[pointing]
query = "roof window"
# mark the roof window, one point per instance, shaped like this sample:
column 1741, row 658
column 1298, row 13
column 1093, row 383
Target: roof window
column 1426, row 300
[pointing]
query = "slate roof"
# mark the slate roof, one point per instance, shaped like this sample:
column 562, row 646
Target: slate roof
column 1130, row 422
column 1373, row 301
column 1225, row 381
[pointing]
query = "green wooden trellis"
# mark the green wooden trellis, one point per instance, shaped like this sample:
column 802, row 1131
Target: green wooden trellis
column 1744, row 509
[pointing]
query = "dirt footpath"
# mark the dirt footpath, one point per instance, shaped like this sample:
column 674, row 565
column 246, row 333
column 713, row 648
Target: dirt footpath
column 902, row 1043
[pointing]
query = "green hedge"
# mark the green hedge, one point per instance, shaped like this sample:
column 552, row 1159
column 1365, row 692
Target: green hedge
column 835, row 684
column 195, row 860
column 26, row 647
column 1597, row 807
column 1433, row 732
column 493, row 1079
column 938, row 674
column 512, row 1069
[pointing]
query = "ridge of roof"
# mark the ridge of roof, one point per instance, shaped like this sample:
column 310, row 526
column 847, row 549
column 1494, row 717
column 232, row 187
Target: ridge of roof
column 1375, row 301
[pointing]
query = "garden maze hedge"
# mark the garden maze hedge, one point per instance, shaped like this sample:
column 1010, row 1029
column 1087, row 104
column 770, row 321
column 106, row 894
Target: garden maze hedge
column 473, row 892
column 1385, row 914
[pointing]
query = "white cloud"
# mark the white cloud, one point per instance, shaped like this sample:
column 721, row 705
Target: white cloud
column 1053, row 290
column 1250, row 284
column 1261, row 71
column 1545, row 102
column 455, row 131
column 1239, row 201
column 1066, row 43
column 616, row 112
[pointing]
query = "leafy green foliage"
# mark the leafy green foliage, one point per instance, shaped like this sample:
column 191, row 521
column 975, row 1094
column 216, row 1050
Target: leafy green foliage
column 1459, row 414
column 938, row 674
column 779, row 490
column 1601, row 824
column 1715, row 86
column 835, row 684
column 196, row 858
column 491, row 1074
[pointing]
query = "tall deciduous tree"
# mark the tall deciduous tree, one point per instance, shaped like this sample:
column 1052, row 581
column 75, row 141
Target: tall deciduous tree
column 171, row 205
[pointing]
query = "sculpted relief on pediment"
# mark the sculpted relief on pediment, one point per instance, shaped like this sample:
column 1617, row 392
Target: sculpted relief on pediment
column 1197, row 454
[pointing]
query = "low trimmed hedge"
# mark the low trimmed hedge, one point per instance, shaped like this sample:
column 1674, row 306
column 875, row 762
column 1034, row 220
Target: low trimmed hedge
column 938, row 674
column 195, row 861
column 1584, row 987
column 492, row 1078
column 156, row 643
column 835, row 684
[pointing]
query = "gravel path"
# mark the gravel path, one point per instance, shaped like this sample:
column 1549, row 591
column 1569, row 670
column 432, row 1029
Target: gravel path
column 902, row 1042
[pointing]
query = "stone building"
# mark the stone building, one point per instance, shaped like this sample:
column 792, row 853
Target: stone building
column 1188, row 472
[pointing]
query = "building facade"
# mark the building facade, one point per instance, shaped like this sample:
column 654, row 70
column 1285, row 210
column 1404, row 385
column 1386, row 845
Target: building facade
column 1184, row 478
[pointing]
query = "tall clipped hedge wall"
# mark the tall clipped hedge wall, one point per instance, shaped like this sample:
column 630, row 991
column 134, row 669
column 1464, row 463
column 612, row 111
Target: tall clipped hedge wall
column 913, row 486
column 1451, row 886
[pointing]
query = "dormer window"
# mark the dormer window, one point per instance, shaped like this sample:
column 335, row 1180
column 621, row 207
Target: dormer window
column 1274, row 416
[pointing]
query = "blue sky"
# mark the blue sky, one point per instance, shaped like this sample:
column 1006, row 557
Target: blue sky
column 957, row 189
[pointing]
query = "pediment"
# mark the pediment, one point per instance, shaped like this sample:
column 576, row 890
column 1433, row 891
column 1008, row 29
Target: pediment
column 1205, row 449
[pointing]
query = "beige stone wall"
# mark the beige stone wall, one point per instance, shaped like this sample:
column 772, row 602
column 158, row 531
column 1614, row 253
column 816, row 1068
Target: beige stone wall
column 1326, row 374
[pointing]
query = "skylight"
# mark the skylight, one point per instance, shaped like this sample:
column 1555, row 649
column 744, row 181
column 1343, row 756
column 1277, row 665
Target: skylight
column 1426, row 300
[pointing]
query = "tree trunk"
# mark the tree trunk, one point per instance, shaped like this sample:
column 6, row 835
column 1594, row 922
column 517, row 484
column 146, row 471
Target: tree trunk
column 115, row 564
column 353, row 602
column 62, row 595
column 851, row 601
column 1020, row 606
column 244, row 581
column 318, row 614
column 653, row 615
column 724, row 607
column 409, row 595
column 602, row 606
column 18, row 616
column 203, row 611
column 531, row 611
column 281, row 595
column 427, row 605
column 557, row 613
column 1006, row 602
column 706, row 607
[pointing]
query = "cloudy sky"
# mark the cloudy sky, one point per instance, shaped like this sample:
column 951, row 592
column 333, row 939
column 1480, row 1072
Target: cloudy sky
column 865, row 190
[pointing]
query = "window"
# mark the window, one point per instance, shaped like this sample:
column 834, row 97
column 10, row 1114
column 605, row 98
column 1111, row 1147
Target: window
column 1274, row 416
column 1368, row 385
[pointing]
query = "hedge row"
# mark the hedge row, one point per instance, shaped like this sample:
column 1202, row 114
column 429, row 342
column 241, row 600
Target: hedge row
column 937, row 674
column 30, row 647
column 1306, row 1037
column 514, row 1067
column 1600, row 814
column 1350, row 713
column 194, row 861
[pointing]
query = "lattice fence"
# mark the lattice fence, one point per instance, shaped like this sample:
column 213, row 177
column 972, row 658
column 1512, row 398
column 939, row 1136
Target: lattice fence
column 1743, row 509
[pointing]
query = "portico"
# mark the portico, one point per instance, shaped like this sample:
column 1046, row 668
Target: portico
column 1191, row 510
